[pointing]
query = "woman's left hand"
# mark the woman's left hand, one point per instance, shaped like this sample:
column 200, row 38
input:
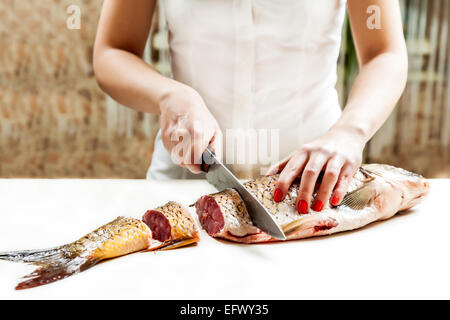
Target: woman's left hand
column 338, row 154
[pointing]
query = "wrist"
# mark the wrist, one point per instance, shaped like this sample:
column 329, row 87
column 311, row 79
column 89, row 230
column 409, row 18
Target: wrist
column 173, row 90
column 354, row 131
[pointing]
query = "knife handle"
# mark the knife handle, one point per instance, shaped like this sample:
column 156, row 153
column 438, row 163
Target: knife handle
column 207, row 159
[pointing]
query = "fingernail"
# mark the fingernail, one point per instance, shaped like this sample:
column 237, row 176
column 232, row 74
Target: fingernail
column 278, row 194
column 317, row 205
column 334, row 200
column 302, row 206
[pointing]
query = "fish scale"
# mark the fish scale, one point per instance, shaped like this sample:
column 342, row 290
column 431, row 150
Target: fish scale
column 182, row 225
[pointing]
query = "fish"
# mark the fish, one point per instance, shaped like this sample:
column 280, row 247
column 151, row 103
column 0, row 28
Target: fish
column 376, row 192
column 122, row 236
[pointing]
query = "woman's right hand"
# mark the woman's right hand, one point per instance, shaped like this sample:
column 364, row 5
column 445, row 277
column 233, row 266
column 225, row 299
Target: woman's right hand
column 187, row 127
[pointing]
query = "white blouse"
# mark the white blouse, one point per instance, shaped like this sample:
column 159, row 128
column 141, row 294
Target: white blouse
column 258, row 64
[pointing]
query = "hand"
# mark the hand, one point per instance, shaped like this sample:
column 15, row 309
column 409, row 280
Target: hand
column 187, row 127
column 338, row 153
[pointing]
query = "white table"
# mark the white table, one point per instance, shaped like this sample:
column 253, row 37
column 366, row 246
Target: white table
column 404, row 257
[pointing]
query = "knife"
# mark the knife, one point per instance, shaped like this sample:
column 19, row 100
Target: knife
column 222, row 178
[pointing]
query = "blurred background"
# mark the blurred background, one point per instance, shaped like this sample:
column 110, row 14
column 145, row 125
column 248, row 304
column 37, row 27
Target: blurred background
column 56, row 122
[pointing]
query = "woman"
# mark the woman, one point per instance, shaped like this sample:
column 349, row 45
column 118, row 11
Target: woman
column 258, row 64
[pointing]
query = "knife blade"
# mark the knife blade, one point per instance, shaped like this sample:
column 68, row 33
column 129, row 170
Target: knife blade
column 222, row 178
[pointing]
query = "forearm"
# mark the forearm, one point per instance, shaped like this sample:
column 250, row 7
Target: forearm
column 131, row 81
column 374, row 94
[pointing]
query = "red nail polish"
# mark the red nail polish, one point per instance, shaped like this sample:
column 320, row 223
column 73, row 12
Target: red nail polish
column 302, row 206
column 317, row 205
column 278, row 195
column 334, row 200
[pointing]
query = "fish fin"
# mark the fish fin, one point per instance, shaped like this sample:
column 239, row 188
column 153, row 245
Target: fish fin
column 54, row 264
column 37, row 257
column 180, row 244
column 154, row 245
column 296, row 224
column 54, row 272
column 158, row 245
column 368, row 175
column 358, row 199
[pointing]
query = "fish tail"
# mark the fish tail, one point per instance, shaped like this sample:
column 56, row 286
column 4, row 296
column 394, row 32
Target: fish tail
column 54, row 272
column 54, row 264
column 31, row 256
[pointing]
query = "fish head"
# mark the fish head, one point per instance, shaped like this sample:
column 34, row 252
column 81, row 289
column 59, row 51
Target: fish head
column 412, row 185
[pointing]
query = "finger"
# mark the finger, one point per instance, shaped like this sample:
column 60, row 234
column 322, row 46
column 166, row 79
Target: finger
column 176, row 143
column 194, row 168
column 342, row 184
column 276, row 168
column 308, row 181
column 290, row 172
column 200, row 143
column 187, row 158
column 188, row 161
column 330, row 178
column 216, row 143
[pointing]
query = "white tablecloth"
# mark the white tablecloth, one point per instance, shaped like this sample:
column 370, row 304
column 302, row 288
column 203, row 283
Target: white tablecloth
column 404, row 257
